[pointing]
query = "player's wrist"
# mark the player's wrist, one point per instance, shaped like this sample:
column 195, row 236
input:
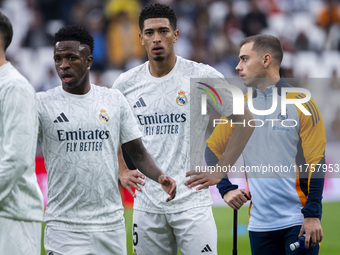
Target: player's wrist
column 161, row 178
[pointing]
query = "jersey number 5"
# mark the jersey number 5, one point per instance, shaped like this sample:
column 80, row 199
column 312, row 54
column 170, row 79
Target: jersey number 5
column 135, row 235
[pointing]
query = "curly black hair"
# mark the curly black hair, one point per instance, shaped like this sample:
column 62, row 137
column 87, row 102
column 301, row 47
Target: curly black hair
column 75, row 33
column 157, row 11
column 6, row 30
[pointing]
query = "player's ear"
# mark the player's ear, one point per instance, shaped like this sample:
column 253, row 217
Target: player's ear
column 176, row 33
column 89, row 61
column 141, row 38
column 267, row 59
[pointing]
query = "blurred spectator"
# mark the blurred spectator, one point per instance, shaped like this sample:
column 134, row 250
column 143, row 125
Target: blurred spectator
column 123, row 45
column 272, row 7
column 329, row 19
column 36, row 35
column 329, row 15
column 301, row 42
column 78, row 13
column 254, row 21
column 201, row 36
column 96, row 26
column 50, row 9
column 232, row 20
column 50, row 81
column 114, row 7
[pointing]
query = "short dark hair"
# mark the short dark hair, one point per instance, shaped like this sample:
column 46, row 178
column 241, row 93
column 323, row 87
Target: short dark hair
column 6, row 30
column 266, row 44
column 75, row 33
column 157, row 11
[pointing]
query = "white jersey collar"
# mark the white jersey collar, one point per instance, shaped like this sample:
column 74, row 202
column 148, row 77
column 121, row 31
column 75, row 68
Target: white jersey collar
column 166, row 77
column 80, row 97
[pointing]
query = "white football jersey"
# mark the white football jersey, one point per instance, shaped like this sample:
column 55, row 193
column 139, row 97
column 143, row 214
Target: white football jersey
column 20, row 196
column 162, row 108
column 80, row 135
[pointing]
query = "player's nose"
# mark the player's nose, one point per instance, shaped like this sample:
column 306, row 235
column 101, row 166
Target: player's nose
column 157, row 37
column 238, row 67
column 64, row 63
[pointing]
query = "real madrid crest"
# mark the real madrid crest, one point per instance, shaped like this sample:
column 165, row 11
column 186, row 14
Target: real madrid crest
column 181, row 99
column 103, row 116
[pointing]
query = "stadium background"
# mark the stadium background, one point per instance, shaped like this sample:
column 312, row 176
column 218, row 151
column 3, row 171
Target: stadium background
column 210, row 31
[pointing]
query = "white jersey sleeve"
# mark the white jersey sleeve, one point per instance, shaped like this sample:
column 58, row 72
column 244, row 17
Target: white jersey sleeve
column 20, row 195
column 129, row 128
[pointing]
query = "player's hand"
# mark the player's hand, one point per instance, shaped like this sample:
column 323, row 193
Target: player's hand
column 312, row 228
column 236, row 198
column 203, row 179
column 131, row 178
column 168, row 185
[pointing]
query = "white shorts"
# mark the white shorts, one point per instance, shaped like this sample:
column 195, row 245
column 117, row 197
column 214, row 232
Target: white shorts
column 60, row 242
column 20, row 237
column 192, row 232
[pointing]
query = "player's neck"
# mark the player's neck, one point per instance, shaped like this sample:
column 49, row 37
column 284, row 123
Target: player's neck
column 78, row 90
column 265, row 83
column 2, row 59
column 270, row 78
column 161, row 68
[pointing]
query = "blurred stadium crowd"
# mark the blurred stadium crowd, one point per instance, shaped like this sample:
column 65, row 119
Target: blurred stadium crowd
column 210, row 31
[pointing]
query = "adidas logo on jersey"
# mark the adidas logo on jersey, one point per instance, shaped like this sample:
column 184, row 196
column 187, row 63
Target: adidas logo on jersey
column 140, row 103
column 61, row 118
column 206, row 249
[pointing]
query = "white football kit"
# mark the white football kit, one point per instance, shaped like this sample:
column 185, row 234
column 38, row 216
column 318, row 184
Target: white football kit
column 162, row 108
column 80, row 135
column 21, row 201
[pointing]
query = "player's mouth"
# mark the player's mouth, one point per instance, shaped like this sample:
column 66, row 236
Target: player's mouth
column 157, row 49
column 66, row 78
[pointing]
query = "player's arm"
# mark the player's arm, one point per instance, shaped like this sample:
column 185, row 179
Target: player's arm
column 128, row 177
column 141, row 159
column 145, row 163
column 19, row 115
column 238, row 140
column 216, row 144
column 313, row 142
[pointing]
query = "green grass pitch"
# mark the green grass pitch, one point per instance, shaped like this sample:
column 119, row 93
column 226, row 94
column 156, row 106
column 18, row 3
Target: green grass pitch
column 224, row 222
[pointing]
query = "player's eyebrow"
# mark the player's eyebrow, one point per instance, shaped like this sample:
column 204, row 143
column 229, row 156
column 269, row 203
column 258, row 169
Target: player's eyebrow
column 158, row 28
column 243, row 56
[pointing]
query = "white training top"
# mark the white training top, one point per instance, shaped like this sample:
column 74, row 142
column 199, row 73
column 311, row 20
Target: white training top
column 80, row 135
column 162, row 108
column 20, row 195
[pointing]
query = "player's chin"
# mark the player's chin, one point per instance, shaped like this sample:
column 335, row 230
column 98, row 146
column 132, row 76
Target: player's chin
column 247, row 82
column 158, row 58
